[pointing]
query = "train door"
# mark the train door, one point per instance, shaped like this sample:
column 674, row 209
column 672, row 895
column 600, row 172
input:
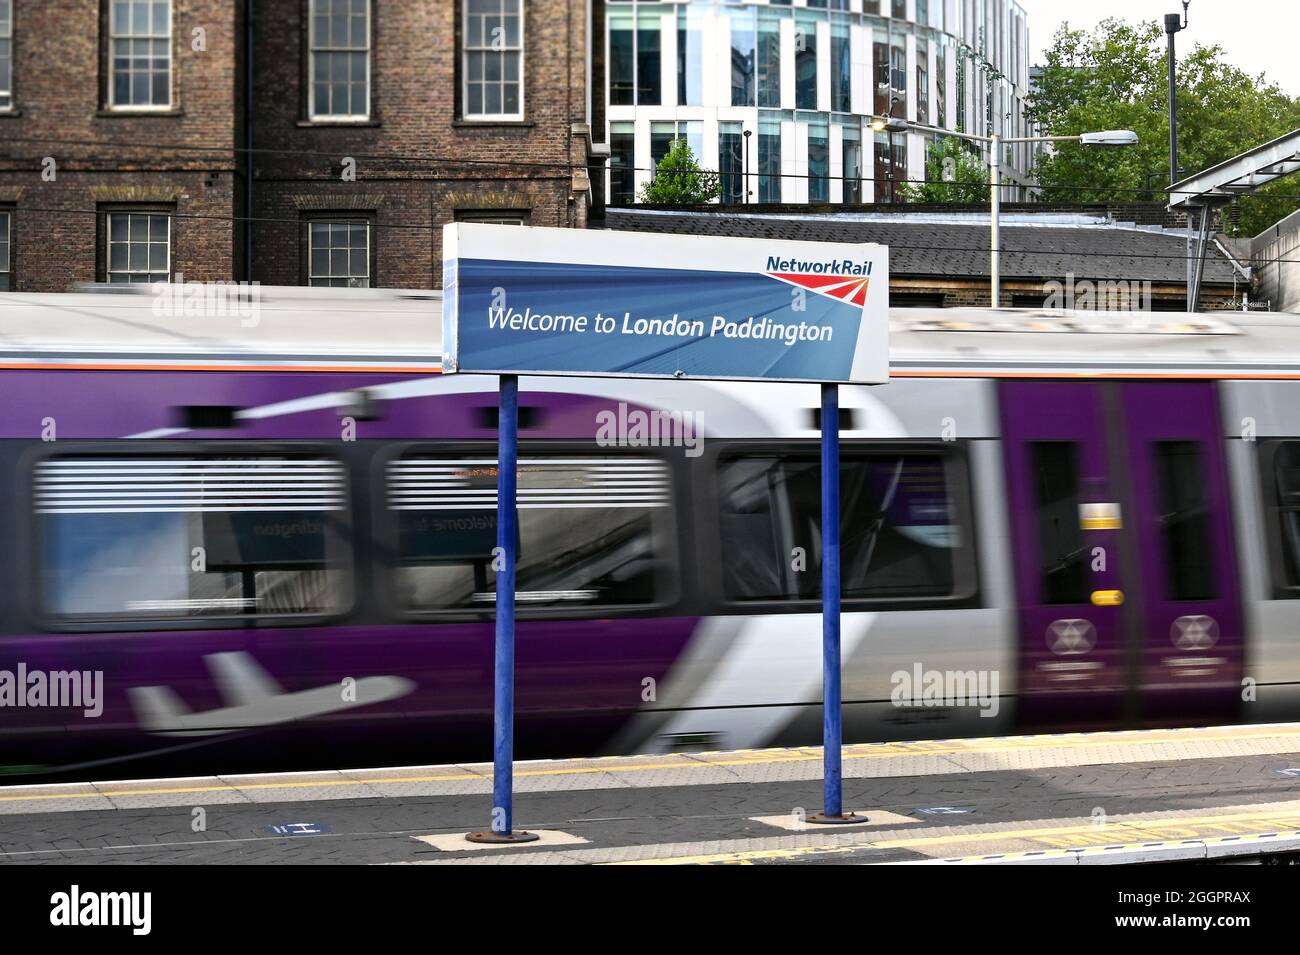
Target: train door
column 1124, row 563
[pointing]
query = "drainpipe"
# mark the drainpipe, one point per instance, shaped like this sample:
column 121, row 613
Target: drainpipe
column 248, row 142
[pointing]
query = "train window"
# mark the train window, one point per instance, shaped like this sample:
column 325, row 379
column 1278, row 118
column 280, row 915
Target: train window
column 900, row 536
column 1061, row 552
column 212, row 536
column 591, row 531
column 1184, row 520
column 1286, row 500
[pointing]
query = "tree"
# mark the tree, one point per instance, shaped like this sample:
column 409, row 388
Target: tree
column 953, row 173
column 1116, row 78
column 679, row 180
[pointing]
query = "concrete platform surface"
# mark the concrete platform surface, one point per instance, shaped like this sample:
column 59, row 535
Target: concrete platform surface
column 1076, row 798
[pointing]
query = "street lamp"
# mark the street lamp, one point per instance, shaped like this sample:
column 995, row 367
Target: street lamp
column 1105, row 137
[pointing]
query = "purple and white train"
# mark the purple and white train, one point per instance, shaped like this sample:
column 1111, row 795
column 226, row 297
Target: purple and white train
column 267, row 539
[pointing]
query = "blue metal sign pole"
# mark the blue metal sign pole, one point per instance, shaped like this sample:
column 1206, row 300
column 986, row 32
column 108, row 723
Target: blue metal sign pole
column 832, row 778
column 503, row 715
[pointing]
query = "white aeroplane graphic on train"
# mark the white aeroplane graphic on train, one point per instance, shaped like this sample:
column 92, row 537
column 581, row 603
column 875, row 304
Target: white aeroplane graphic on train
column 255, row 699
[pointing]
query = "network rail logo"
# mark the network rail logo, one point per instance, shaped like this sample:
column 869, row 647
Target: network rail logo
column 843, row 279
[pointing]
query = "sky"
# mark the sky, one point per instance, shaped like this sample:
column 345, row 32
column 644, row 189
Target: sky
column 1257, row 35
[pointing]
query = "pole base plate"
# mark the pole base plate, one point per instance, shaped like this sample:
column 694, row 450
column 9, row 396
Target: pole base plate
column 821, row 819
column 501, row 838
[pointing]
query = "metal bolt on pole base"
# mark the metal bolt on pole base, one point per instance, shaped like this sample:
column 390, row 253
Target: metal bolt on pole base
column 490, row 838
column 846, row 819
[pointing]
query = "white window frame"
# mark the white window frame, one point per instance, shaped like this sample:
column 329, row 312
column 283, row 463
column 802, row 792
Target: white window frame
column 7, row 81
column 341, row 220
column 313, row 49
column 109, row 271
column 114, row 36
column 466, row 49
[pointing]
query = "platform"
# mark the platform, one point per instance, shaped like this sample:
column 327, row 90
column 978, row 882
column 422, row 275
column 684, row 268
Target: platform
column 1161, row 795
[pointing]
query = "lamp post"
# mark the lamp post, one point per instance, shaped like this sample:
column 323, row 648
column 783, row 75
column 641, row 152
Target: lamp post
column 1106, row 137
column 745, row 197
column 1172, row 26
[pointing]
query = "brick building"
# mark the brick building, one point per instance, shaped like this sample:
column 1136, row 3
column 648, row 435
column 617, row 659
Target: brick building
column 91, row 95
column 138, row 136
column 443, row 123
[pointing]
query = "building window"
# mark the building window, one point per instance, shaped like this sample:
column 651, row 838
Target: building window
column 6, row 248
column 663, row 134
column 742, row 58
column 139, row 247
column 494, row 216
column 841, row 69
column 891, row 166
column 769, row 160
column 851, row 152
column 941, row 87
column 622, row 164
column 731, row 161
column 340, row 59
column 690, row 57
column 140, row 44
column 339, row 254
column 622, row 61
column 769, row 60
column 649, row 60
column 819, row 163
column 805, row 64
column 922, row 82
column 6, row 54
column 494, row 59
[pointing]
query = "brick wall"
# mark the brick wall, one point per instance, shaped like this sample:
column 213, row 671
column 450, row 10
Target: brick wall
column 103, row 156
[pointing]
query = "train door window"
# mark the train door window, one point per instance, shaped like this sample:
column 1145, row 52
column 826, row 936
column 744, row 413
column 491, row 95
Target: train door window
column 1282, row 479
column 1061, row 553
column 593, row 531
column 901, row 536
column 1184, row 519
column 176, row 537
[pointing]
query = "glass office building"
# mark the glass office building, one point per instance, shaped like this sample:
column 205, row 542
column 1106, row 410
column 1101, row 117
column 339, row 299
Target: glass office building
column 778, row 95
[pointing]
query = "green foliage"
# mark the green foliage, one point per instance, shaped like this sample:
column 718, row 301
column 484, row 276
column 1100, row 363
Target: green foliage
column 952, row 174
column 1116, row 78
column 679, row 180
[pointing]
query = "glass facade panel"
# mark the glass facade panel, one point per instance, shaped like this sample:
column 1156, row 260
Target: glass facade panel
column 731, row 161
column 819, row 163
column 622, row 164
column 769, row 160
column 743, row 51
column 805, row 64
column 769, row 60
column 851, row 164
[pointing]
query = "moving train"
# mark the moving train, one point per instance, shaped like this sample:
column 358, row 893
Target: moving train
column 262, row 540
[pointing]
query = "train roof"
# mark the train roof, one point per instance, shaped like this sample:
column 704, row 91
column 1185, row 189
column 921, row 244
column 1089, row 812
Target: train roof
column 317, row 329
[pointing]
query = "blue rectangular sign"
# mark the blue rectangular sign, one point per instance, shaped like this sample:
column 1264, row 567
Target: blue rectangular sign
column 591, row 302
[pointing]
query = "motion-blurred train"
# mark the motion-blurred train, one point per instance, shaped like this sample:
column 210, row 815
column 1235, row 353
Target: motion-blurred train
column 268, row 540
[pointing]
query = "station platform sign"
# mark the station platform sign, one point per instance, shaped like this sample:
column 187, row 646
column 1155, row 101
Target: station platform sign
column 636, row 304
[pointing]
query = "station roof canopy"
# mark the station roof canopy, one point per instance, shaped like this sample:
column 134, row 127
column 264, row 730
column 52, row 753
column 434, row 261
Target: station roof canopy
column 1241, row 174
